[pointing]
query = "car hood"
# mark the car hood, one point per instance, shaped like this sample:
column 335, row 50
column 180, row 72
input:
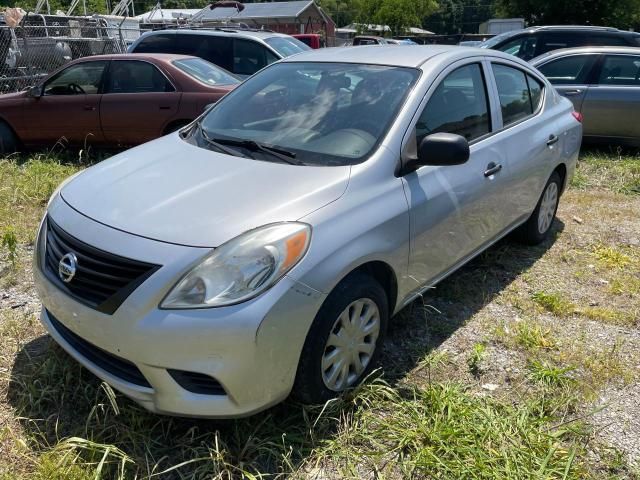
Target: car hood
column 172, row 191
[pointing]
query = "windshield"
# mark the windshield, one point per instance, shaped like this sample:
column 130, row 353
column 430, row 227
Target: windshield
column 492, row 42
column 206, row 72
column 322, row 113
column 287, row 46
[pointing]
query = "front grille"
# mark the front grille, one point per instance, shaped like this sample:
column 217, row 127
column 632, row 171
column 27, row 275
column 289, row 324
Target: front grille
column 102, row 280
column 116, row 366
column 197, row 382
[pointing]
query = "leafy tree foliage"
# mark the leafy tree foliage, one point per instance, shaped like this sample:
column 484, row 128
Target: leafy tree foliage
column 614, row 13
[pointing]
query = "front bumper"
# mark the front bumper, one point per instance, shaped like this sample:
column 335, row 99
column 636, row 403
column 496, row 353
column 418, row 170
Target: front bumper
column 251, row 349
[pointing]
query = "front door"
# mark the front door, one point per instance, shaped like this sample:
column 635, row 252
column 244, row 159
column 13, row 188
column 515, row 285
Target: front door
column 138, row 102
column 69, row 108
column 455, row 210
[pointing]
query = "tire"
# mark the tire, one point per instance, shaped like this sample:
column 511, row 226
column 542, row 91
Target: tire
column 314, row 383
column 8, row 140
column 536, row 229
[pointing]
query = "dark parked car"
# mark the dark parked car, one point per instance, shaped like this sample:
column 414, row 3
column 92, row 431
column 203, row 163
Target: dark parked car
column 242, row 52
column 113, row 100
column 535, row 41
column 604, row 85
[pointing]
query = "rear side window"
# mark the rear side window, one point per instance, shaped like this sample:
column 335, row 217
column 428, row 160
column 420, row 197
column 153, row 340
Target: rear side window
column 216, row 49
column 131, row 76
column 568, row 70
column 607, row 40
column 458, row 105
column 620, row 70
column 535, row 92
column 516, row 100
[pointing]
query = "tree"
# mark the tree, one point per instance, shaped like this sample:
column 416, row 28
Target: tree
column 614, row 13
column 397, row 14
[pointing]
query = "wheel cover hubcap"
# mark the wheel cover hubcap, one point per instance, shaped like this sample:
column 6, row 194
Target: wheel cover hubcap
column 548, row 207
column 351, row 344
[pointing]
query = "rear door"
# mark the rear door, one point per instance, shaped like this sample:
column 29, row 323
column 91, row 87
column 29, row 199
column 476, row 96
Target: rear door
column 138, row 103
column 69, row 106
column 529, row 135
column 570, row 75
column 612, row 104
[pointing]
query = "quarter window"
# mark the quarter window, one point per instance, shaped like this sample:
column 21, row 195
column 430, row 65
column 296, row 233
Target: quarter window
column 84, row 78
column 620, row 70
column 458, row 105
column 568, row 70
column 516, row 101
column 136, row 77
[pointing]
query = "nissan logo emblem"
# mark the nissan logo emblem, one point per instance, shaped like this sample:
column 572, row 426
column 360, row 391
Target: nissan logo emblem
column 67, row 267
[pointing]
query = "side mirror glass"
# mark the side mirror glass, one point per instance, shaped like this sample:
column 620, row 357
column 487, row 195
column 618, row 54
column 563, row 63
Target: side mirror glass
column 442, row 149
column 35, row 91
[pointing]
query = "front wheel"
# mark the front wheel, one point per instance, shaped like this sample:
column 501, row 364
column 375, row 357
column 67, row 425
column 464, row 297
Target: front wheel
column 537, row 228
column 344, row 341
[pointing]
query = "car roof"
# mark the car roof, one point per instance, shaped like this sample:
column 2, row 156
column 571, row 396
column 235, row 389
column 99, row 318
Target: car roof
column 407, row 56
column 582, row 50
column 154, row 57
column 221, row 31
column 574, row 28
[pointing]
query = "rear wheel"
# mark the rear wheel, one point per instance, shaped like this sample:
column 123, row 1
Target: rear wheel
column 344, row 341
column 537, row 228
column 8, row 139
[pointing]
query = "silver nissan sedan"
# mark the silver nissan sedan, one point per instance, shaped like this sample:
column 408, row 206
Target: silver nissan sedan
column 263, row 249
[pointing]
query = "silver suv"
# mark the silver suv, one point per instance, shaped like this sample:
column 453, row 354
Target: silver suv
column 242, row 52
column 264, row 248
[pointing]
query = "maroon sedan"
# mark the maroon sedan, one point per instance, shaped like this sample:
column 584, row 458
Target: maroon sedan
column 112, row 100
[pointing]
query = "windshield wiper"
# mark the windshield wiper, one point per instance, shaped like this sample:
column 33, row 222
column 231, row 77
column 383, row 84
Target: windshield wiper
column 216, row 144
column 284, row 155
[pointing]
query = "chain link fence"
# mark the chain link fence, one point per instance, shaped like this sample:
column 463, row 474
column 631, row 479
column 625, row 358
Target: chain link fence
column 36, row 47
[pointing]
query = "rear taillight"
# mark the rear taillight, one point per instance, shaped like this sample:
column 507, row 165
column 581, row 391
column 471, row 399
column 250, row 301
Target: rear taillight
column 577, row 116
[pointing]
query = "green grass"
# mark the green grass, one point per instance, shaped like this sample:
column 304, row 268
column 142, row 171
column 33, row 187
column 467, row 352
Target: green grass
column 617, row 171
column 431, row 419
column 25, row 187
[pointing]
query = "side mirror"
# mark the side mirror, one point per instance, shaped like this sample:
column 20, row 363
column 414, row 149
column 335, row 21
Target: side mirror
column 440, row 149
column 35, row 91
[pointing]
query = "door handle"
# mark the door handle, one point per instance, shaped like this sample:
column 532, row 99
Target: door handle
column 492, row 168
column 89, row 108
column 576, row 91
column 552, row 140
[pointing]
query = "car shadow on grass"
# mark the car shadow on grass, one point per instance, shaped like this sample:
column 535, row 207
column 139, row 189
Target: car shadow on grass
column 58, row 399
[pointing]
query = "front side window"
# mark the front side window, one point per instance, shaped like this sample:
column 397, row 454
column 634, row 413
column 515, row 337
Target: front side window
column 216, row 49
column 324, row 113
column 513, row 92
column 458, row 105
column 620, row 70
column 568, row 70
column 80, row 79
column 522, row 47
column 132, row 76
column 205, row 72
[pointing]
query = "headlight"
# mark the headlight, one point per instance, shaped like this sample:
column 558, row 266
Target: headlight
column 241, row 268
